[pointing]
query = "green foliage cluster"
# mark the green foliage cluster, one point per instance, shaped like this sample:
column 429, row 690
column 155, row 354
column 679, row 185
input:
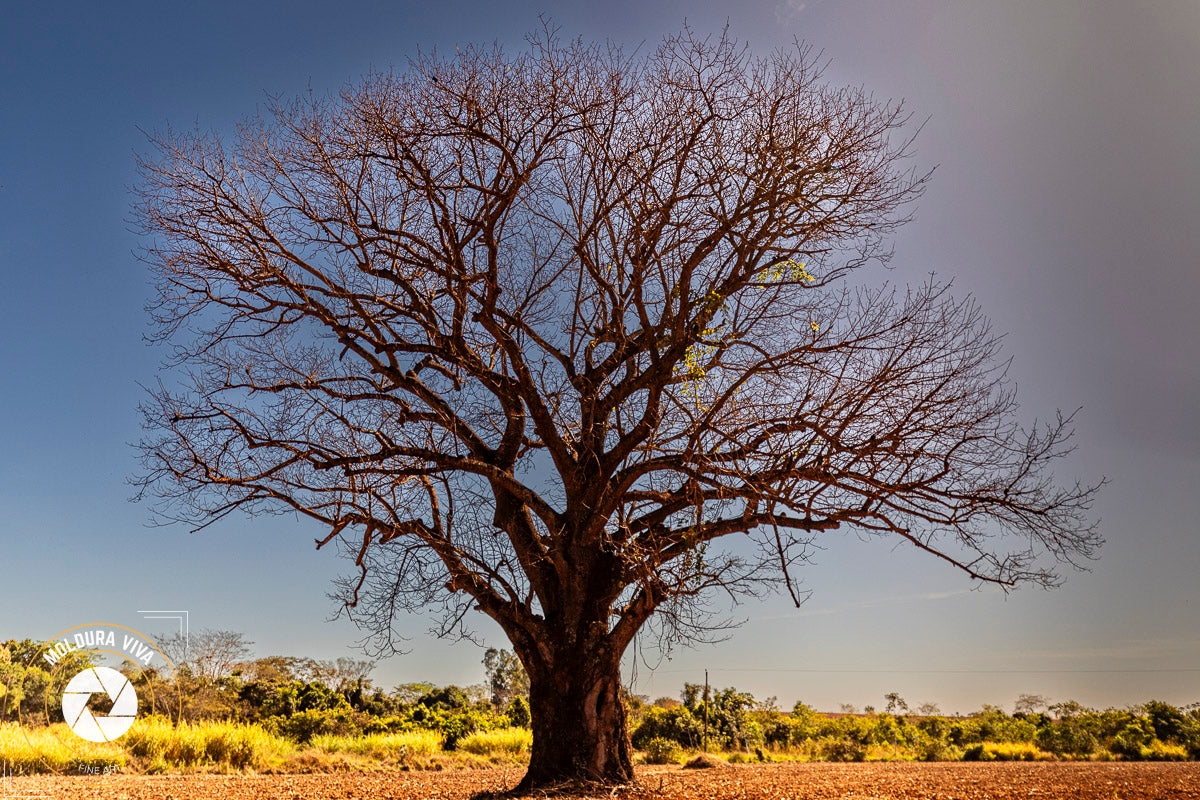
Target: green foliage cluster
column 660, row 750
column 31, row 689
column 736, row 722
column 295, row 699
column 300, row 701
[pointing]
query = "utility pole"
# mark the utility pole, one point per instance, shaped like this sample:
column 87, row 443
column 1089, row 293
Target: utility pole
column 706, row 711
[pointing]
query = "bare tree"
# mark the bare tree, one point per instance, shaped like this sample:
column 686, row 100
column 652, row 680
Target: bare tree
column 895, row 703
column 352, row 673
column 209, row 654
column 271, row 669
column 567, row 337
column 1030, row 704
column 411, row 692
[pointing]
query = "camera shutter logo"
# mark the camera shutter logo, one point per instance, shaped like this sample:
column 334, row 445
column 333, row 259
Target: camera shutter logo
column 79, row 717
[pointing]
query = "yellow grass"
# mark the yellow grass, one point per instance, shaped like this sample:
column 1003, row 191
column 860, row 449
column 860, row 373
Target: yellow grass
column 1013, row 751
column 381, row 745
column 55, row 749
column 1157, row 751
column 223, row 745
column 505, row 742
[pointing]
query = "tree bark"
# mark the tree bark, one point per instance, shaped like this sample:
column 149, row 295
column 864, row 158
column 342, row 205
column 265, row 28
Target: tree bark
column 579, row 724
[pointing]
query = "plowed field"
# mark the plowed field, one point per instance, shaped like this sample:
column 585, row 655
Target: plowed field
column 950, row 781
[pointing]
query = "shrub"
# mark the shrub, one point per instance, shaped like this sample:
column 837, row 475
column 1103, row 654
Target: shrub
column 976, row 752
column 460, row 726
column 677, row 724
column 304, row 725
column 731, row 723
column 845, row 749
column 450, row 697
column 1066, row 738
column 804, row 722
column 298, row 696
column 518, row 713
column 663, row 751
column 780, row 732
column 1132, row 739
column 1168, row 721
column 930, row 748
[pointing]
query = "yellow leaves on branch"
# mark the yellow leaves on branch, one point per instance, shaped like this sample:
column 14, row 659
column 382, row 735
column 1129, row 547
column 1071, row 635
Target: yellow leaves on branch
column 693, row 369
column 786, row 270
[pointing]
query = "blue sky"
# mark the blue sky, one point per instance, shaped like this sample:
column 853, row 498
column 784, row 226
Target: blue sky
column 1067, row 141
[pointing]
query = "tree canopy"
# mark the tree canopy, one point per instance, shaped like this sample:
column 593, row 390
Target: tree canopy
column 538, row 333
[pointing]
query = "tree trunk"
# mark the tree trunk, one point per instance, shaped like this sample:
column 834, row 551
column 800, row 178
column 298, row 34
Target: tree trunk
column 579, row 726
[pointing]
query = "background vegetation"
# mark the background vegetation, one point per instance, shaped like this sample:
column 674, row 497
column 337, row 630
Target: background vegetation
column 297, row 714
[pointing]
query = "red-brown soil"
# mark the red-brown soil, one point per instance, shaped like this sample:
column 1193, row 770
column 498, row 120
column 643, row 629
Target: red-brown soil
column 879, row 781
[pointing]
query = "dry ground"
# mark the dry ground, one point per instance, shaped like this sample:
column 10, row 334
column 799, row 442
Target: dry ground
column 949, row 781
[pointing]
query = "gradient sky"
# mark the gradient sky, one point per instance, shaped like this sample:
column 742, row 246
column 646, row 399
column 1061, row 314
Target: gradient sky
column 1066, row 136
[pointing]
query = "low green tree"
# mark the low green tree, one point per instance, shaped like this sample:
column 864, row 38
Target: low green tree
column 677, row 724
column 518, row 712
column 1168, row 721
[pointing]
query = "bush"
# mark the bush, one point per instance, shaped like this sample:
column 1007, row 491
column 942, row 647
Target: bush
column 976, row 752
column 298, row 696
column 662, row 751
column 303, row 726
column 845, row 749
column 1132, row 739
column 731, row 723
column 518, row 713
column 1168, row 721
column 930, row 748
column 449, row 697
column 780, row 733
column 677, row 724
column 460, row 726
column 1065, row 738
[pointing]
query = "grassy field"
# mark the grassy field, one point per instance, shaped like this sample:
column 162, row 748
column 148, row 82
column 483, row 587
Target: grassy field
column 55, row 749
column 156, row 746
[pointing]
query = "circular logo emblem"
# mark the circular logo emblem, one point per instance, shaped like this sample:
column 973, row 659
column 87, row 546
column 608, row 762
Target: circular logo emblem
column 99, row 680
column 95, row 678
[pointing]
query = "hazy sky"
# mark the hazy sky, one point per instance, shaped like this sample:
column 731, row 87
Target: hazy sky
column 1066, row 199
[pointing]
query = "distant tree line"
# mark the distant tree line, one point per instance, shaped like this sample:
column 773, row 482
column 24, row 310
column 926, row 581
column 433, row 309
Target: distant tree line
column 1035, row 730
column 297, row 697
column 214, row 678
